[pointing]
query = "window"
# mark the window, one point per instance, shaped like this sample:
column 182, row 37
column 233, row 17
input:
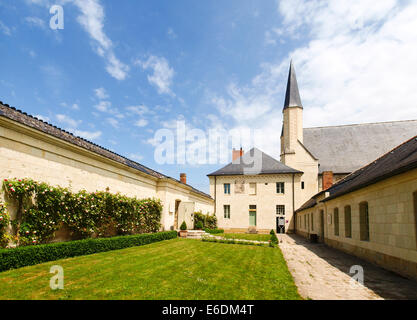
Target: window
column 281, row 187
column 336, row 221
column 227, row 211
column 348, row 222
column 312, row 221
column 364, row 221
column 302, row 185
column 280, row 210
column 227, row 188
column 305, row 221
column 252, row 216
column 252, row 188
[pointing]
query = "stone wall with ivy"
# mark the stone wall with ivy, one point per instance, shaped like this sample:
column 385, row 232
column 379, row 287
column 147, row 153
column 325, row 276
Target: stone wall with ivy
column 41, row 210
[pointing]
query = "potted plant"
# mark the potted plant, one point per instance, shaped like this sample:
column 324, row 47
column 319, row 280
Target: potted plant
column 183, row 230
column 199, row 225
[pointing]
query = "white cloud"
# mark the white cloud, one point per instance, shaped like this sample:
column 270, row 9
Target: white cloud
column 103, row 106
column 68, row 120
column 355, row 63
column 141, row 123
column 86, row 134
column 35, row 22
column 92, row 20
column 136, row 157
column 101, row 93
column 113, row 122
column 5, row 29
column 162, row 75
column 138, row 110
column 171, row 34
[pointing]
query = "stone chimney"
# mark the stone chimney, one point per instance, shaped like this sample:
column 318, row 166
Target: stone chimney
column 237, row 154
column 183, row 178
column 327, row 179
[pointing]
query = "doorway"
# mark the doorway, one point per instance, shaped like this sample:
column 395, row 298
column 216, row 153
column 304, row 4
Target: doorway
column 177, row 205
column 321, row 225
column 281, row 225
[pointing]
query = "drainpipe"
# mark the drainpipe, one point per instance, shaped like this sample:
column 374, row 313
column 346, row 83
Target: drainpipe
column 215, row 195
column 294, row 215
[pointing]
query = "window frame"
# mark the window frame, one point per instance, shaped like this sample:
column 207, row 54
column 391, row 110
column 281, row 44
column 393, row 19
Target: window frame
column 280, row 187
column 348, row 221
column 228, row 190
column 277, row 211
column 364, row 222
column 336, row 224
column 226, row 212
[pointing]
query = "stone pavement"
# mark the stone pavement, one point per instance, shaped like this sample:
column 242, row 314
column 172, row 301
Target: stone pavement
column 322, row 273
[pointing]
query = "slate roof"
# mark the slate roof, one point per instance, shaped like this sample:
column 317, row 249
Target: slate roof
column 247, row 166
column 292, row 95
column 344, row 149
column 399, row 160
column 23, row 118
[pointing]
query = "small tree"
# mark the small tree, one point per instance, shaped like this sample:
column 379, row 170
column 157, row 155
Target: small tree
column 183, row 226
column 199, row 225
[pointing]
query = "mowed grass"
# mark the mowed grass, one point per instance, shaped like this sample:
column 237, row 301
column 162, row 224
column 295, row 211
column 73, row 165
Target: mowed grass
column 246, row 236
column 174, row 269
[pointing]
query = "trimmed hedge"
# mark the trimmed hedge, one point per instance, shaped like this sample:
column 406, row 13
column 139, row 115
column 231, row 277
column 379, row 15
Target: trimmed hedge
column 214, row 231
column 28, row 256
column 234, row 241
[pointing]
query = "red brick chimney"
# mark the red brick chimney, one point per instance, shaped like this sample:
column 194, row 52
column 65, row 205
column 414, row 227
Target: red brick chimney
column 327, row 179
column 183, row 178
column 237, row 154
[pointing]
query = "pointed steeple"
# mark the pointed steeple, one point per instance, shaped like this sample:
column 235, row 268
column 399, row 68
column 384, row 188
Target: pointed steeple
column 292, row 96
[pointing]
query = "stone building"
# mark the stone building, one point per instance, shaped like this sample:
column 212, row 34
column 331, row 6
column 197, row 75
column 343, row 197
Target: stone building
column 319, row 156
column 371, row 213
column 32, row 148
column 255, row 192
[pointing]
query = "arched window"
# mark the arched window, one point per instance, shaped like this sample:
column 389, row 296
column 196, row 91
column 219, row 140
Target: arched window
column 348, row 222
column 364, row 221
column 336, row 221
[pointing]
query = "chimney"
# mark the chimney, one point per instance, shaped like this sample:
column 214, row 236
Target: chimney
column 327, row 179
column 183, row 178
column 237, row 154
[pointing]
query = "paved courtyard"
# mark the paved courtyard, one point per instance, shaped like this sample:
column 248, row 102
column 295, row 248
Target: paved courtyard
column 322, row 273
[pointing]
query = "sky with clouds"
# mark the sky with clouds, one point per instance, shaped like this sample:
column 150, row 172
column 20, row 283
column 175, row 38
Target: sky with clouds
column 120, row 71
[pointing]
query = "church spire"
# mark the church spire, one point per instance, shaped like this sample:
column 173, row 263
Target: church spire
column 292, row 96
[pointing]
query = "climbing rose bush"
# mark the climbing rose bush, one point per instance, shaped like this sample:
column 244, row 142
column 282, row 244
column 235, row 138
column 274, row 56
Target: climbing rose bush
column 44, row 209
column 4, row 223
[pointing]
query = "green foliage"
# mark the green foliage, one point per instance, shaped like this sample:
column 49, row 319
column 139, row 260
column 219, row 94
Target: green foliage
column 28, row 256
column 183, row 226
column 199, row 225
column 214, row 231
column 4, row 223
column 272, row 232
column 234, row 241
column 208, row 221
column 85, row 214
column 274, row 239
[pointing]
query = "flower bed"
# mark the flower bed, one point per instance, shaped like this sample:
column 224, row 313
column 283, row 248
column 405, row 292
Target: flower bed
column 43, row 209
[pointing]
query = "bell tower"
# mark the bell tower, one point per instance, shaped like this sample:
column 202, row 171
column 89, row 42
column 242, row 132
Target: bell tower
column 292, row 125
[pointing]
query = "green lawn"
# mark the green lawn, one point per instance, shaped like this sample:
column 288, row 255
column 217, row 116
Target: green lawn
column 174, row 269
column 246, row 236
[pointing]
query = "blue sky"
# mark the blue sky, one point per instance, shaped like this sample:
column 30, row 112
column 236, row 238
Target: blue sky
column 121, row 70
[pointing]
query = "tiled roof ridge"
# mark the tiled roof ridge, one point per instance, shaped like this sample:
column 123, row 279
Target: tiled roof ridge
column 360, row 124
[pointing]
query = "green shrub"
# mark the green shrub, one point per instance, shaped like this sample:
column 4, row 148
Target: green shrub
column 214, row 231
column 272, row 232
column 84, row 214
column 208, row 221
column 274, row 239
column 4, row 223
column 183, row 226
column 233, row 241
column 199, row 225
column 32, row 255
